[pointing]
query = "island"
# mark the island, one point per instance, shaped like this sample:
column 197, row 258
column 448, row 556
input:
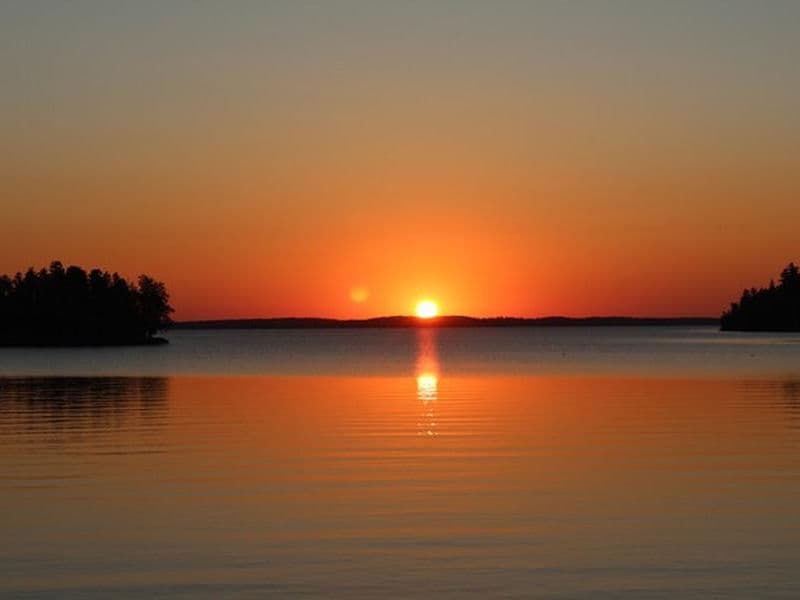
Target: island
column 61, row 306
column 773, row 308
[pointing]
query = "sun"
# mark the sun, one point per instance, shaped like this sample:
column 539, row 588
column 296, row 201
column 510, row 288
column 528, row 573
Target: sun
column 427, row 309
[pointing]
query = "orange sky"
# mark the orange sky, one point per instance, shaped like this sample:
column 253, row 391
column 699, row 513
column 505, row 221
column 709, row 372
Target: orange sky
column 523, row 160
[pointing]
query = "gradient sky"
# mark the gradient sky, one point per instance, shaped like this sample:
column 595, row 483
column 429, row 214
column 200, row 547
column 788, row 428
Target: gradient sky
column 505, row 158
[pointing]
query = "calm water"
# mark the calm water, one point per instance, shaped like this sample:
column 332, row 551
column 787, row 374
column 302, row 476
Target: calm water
column 552, row 463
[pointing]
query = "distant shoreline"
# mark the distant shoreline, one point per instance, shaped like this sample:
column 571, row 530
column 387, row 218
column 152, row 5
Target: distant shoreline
column 444, row 321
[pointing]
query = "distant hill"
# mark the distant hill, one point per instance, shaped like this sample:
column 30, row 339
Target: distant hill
column 444, row 321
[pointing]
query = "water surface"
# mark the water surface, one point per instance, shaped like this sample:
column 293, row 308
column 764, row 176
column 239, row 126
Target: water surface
column 468, row 463
column 669, row 351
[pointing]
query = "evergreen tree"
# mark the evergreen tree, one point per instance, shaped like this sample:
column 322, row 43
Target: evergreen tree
column 775, row 308
column 67, row 306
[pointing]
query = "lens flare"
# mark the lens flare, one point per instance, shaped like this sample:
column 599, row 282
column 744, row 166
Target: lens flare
column 359, row 294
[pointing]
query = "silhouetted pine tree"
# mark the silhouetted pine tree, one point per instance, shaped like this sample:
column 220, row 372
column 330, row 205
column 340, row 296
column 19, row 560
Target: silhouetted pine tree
column 775, row 308
column 59, row 306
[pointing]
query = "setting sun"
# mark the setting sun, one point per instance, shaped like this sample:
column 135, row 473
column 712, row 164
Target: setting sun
column 427, row 309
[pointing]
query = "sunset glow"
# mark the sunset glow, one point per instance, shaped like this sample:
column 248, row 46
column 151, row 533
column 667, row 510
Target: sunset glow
column 524, row 168
column 354, row 299
column 427, row 309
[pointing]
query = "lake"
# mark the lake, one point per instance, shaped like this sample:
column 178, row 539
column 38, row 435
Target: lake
column 571, row 462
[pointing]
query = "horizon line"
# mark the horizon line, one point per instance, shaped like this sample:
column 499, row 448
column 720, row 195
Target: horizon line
column 456, row 315
column 439, row 319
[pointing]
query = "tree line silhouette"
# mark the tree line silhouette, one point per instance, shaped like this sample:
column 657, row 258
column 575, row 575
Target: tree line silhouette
column 68, row 306
column 774, row 308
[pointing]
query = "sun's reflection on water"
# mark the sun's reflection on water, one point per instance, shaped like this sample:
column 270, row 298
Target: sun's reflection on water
column 427, row 384
column 427, row 378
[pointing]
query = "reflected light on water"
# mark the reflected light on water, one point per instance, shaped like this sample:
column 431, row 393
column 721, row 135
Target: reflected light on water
column 427, row 374
column 427, row 369
column 116, row 487
column 427, row 384
column 426, row 387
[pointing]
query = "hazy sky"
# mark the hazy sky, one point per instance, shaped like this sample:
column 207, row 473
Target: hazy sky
column 519, row 158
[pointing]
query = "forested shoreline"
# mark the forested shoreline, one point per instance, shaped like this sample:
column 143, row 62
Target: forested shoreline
column 772, row 308
column 68, row 306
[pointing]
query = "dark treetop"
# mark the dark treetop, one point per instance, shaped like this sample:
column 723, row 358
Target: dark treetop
column 774, row 308
column 58, row 306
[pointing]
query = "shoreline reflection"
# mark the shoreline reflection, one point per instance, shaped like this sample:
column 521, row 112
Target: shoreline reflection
column 88, row 404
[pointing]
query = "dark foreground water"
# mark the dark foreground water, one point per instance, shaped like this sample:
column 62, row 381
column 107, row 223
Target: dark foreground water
column 559, row 463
